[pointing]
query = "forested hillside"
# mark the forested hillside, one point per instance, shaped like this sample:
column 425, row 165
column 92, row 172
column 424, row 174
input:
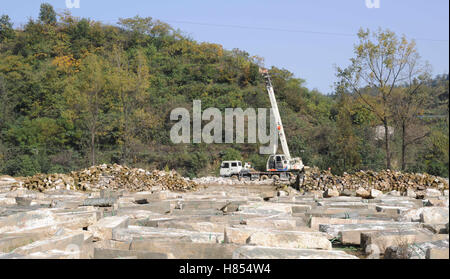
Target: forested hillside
column 75, row 92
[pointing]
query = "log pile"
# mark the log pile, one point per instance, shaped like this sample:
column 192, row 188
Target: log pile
column 112, row 177
column 385, row 181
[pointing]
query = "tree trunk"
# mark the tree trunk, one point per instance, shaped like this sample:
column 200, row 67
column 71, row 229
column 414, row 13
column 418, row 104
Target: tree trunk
column 93, row 147
column 387, row 147
column 403, row 145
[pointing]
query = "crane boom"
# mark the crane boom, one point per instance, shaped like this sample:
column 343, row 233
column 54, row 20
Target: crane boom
column 277, row 116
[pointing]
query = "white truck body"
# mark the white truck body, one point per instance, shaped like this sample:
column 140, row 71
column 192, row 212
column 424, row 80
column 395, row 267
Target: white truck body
column 230, row 168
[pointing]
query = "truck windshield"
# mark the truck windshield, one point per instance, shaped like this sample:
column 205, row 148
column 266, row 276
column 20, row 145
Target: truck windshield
column 225, row 165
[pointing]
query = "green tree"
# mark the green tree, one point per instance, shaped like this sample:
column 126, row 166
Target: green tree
column 231, row 154
column 129, row 81
column 87, row 98
column 406, row 106
column 347, row 142
column 47, row 14
column 6, row 28
column 380, row 65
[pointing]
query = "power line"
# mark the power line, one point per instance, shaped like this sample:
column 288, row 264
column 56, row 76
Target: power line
column 262, row 28
column 244, row 27
column 286, row 30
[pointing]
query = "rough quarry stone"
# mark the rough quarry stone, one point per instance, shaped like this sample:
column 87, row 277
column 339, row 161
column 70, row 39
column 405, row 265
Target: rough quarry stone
column 436, row 228
column 104, row 228
column 434, row 215
column 374, row 193
column 411, row 215
column 432, row 193
column 383, row 240
column 300, row 208
column 436, row 202
column 414, row 251
column 411, row 193
column 329, row 193
column 22, row 201
column 347, row 193
column 257, row 252
column 437, row 253
column 363, row 193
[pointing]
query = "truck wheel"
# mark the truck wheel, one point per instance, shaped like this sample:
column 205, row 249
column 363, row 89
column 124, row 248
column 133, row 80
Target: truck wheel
column 264, row 177
column 275, row 177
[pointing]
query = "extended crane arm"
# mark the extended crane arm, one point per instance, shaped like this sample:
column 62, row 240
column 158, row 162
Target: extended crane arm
column 276, row 114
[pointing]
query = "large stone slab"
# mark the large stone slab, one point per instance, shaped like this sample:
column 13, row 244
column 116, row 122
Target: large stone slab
column 100, row 202
column 105, row 253
column 350, row 205
column 27, row 220
column 391, row 209
column 302, row 240
column 434, row 215
column 266, row 208
column 383, row 240
column 301, row 208
column 161, row 207
column 167, row 234
column 210, row 204
column 51, row 255
column 315, row 222
column 104, row 228
column 193, row 226
column 196, row 212
column 11, row 241
column 273, row 238
column 258, row 252
column 414, row 251
column 276, row 223
column 69, row 242
column 185, row 250
column 334, row 230
column 437, row 253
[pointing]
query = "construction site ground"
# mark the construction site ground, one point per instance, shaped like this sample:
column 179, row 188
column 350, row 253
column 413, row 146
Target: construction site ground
column 230, row 220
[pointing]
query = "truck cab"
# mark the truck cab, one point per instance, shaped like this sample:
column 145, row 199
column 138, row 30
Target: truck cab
column 230, row 168
column 279, row 162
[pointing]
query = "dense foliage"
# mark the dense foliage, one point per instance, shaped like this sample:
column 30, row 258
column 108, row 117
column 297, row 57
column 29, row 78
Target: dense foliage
column 75, row 92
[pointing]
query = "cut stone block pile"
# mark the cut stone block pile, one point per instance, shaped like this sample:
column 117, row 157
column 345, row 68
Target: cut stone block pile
column 239, row 221
column 114, row 177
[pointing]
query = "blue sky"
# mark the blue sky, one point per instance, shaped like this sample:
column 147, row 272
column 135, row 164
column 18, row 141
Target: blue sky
column 309, row 55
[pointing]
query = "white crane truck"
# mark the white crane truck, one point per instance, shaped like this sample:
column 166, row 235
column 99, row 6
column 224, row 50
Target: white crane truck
column 279, row 166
